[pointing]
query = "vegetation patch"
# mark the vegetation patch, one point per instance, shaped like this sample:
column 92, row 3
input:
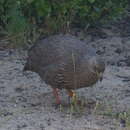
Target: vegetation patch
column 23, row 21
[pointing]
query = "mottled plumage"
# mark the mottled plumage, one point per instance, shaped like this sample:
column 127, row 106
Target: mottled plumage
column 63, row 61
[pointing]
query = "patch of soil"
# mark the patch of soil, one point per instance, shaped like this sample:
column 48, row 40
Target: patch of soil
column 27, row 103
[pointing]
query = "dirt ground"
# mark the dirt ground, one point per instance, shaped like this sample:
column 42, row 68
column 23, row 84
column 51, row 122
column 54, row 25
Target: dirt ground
column 27, row 103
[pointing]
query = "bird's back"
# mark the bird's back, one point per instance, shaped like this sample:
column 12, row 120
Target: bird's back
column 55, row 49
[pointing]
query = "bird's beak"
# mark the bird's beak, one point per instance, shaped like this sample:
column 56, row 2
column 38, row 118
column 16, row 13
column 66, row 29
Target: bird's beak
column 100, row 76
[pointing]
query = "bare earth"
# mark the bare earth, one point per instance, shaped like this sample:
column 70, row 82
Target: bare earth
column 26, row 102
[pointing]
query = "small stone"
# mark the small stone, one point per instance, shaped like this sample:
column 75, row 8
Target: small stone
column 19, row 90
column 118, row 50
column 20, row 126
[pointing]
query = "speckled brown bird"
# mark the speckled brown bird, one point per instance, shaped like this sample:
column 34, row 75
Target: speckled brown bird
column 64, row 61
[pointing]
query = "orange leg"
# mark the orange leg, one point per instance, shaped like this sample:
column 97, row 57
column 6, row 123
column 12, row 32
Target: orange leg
column 71, row 93
column 55, row 92
column 74, row 97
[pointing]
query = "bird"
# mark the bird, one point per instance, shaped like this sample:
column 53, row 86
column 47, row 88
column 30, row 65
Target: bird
column 65, row 62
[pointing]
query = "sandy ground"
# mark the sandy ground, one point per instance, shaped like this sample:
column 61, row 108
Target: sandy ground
column 27, row 103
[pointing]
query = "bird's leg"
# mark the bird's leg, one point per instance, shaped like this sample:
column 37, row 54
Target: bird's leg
column 74, row 97
column 73, row 103
column 55, row 92
column 71, row 93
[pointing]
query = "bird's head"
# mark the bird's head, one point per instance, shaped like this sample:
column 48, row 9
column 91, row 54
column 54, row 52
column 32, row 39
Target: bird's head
column 98, row 66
